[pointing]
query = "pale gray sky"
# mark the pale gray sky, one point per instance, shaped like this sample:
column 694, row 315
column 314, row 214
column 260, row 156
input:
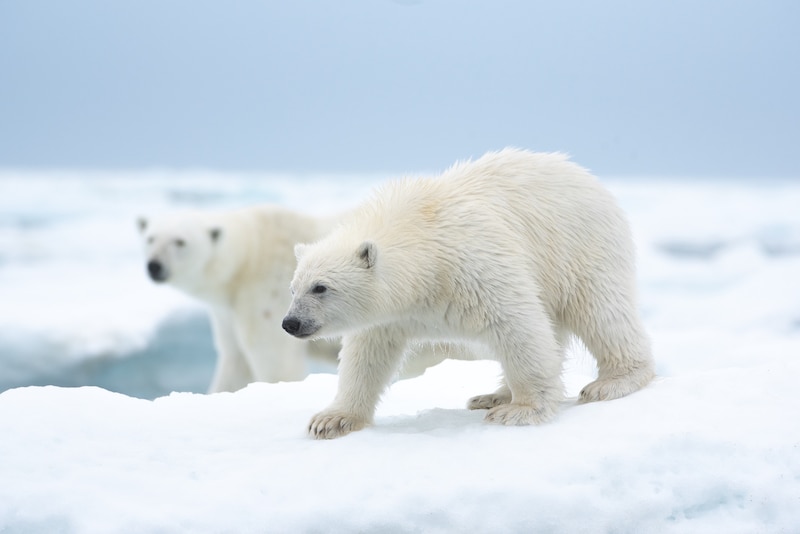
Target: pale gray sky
column 627, row 87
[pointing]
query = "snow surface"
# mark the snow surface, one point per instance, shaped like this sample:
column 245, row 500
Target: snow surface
column 707, row 451
column 713, row 445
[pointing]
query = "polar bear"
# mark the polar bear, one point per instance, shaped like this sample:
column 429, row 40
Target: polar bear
column 239, row 263
column 515, row 252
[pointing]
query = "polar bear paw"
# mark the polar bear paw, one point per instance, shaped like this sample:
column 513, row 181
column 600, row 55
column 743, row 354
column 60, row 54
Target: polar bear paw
column 330, row 424
column 616, row 387
column 513, row 414
column 484, row 402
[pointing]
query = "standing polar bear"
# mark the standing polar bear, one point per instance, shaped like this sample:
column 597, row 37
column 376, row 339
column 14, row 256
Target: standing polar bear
column 238, row 262
column 515, row 252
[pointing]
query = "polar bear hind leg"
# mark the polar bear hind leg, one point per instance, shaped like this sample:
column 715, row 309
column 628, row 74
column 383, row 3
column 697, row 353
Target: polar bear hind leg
column 614, row 335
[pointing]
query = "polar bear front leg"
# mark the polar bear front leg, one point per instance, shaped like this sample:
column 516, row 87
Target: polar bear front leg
column 530, row 354
column 273, row 356
column 232, row 372
column 367, row 363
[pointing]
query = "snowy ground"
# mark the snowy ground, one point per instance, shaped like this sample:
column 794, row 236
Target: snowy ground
column 706, row 451
column 712, row 446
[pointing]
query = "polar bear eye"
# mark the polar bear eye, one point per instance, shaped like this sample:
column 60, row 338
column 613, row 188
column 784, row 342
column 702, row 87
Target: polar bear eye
column 180, row 242
column 319, row 289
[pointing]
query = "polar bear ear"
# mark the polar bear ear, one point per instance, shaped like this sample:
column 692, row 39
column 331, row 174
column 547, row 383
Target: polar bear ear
column 367, row 253
column 215, row 234
column 299, row 250
column 141, row 222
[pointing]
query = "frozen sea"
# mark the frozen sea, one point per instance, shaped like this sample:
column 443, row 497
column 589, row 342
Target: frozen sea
column 104, row 427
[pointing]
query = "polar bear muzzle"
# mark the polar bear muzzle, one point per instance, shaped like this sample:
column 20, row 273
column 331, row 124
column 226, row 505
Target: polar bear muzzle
column 299, row 328
column 157, row 271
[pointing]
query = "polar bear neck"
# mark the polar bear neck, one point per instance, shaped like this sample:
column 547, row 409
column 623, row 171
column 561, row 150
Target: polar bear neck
column 402, row 220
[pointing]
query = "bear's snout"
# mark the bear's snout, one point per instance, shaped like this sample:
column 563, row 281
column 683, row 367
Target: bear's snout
column 298, row 327
column 156, row 271
column 291, row 325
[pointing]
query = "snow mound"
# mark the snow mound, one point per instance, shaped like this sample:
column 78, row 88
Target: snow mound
column 710, row 451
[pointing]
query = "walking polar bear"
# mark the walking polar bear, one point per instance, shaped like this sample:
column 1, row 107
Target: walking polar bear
column 239, row 263
column 514, row 252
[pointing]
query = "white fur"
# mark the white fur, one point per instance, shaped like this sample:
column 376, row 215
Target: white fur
column 239, row 263
column 515, row 252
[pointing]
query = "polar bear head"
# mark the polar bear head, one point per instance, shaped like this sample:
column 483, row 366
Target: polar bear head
column 334, row 288
column 179, row 248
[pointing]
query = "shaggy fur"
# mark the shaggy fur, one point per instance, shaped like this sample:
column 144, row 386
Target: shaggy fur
column 513, row 252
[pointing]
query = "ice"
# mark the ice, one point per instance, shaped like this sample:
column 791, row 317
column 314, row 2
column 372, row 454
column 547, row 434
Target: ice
column 710, row 446
column 701, row 452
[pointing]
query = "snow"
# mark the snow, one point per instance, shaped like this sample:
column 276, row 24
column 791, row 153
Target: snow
column 713, row 445
column 709, row 451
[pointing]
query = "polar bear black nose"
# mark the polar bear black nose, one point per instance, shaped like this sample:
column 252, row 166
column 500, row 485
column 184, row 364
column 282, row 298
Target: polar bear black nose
column 291, row 325
column 156, row 270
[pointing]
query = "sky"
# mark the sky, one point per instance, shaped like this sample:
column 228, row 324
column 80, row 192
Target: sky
column 666, row 88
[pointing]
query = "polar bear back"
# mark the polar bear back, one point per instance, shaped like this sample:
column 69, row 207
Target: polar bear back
column 540, row 211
